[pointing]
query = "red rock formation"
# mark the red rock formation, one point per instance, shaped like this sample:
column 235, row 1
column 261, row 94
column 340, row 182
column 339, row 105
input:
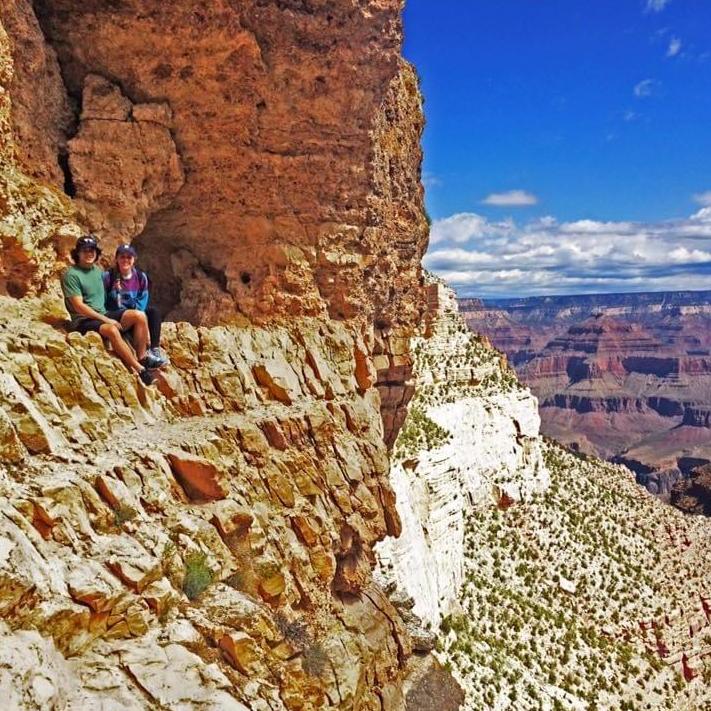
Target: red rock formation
column 293, row 124
column 636, row 390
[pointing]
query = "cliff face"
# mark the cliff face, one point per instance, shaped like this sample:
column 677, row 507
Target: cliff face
column 693, row 495
column 209, row 544
column 297, row 126
column 555, row 581
column 471, row 438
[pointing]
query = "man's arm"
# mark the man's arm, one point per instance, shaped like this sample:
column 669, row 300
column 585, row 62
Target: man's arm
column 83, row 309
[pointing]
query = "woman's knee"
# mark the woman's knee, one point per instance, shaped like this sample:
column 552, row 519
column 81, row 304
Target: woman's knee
column 133, row 316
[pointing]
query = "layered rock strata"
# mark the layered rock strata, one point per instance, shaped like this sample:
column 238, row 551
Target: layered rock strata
column 220, row 530
column 208, row 544
column 471, row 438
column 631, row 382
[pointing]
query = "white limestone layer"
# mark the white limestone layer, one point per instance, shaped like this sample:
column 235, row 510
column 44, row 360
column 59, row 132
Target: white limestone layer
column 472, row 436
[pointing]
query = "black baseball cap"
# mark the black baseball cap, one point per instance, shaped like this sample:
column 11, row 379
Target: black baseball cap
column 87, row 242
column 126, row 249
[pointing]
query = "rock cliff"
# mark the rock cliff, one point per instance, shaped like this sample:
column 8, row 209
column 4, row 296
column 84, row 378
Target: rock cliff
column 209, row 543
column 555, row 581
column 693, row 495
column 471, row 438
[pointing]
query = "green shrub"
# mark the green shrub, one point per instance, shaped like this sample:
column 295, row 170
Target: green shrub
column 198, row 576
column 122, row 514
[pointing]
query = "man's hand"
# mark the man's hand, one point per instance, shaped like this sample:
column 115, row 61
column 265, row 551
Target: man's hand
column 113, row 322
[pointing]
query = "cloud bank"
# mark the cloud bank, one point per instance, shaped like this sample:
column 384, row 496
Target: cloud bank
column 487, row 258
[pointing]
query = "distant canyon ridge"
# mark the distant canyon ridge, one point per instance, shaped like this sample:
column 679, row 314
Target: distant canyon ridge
column 626, row 377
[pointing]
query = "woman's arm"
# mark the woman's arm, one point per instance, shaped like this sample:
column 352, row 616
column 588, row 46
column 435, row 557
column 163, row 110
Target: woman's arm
column 142, row 295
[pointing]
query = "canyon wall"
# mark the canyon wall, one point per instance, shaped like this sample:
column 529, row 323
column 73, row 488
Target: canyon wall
column 208, row 543
column 621, row 376
column 471, row 439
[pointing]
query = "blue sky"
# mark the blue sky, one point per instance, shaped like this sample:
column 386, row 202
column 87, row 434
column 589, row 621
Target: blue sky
column 550, row 113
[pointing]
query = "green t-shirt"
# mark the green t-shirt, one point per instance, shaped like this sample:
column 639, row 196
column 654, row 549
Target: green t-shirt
column 86, row 283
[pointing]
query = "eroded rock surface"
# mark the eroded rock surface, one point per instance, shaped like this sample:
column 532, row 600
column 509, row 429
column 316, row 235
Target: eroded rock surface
column 471, row 436
column 36, row 217
column 693, row 495
column 207, row 544
column 188, row 541
column 621, row 376
column 298, row 128
column 123, row 161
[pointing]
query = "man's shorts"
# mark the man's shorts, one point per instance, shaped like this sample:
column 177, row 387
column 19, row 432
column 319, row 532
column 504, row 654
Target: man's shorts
column 85, row 325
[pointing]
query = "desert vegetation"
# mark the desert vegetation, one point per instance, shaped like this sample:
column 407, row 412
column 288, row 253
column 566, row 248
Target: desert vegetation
column 582, row 598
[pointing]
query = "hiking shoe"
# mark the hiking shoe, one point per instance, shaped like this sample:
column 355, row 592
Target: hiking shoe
column 158, row 357
column 150, row 362
column 147, row 378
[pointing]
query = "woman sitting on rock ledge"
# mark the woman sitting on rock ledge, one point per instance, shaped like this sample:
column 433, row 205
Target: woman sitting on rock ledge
column 126, row 287
column 85, row 298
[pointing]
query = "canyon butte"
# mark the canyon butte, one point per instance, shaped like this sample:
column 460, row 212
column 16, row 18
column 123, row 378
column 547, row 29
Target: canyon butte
column 297, row 516
column 626, row 377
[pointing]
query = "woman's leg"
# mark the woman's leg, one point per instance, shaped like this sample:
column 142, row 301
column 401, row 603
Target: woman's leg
column 138, row 322
column 154, row 324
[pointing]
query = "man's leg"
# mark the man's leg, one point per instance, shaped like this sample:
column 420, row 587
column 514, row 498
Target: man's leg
column 139, row 323
column 154, row 324
column 120, row 347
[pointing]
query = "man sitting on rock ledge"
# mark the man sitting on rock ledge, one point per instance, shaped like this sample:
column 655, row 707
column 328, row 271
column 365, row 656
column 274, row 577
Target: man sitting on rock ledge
column 84, row 297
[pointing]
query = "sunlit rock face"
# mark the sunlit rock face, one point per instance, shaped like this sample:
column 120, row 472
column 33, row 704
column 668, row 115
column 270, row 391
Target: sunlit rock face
column 36, row 222
column 297, row 127
column 471, row 437
column 208, row 543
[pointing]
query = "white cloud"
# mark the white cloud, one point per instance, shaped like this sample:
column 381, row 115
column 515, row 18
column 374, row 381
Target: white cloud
column 545, row 256
column 465, row 227
column 595, row 227
column 457, row 228
column 656, row 5
column 644, row 88
column 674, row 47
column 703, row 199
column 512, row 198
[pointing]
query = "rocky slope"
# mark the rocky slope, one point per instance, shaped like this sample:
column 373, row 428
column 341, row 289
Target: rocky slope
column 594, row 595
column 563, row 585
column 622, row 376
column 208, row 544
